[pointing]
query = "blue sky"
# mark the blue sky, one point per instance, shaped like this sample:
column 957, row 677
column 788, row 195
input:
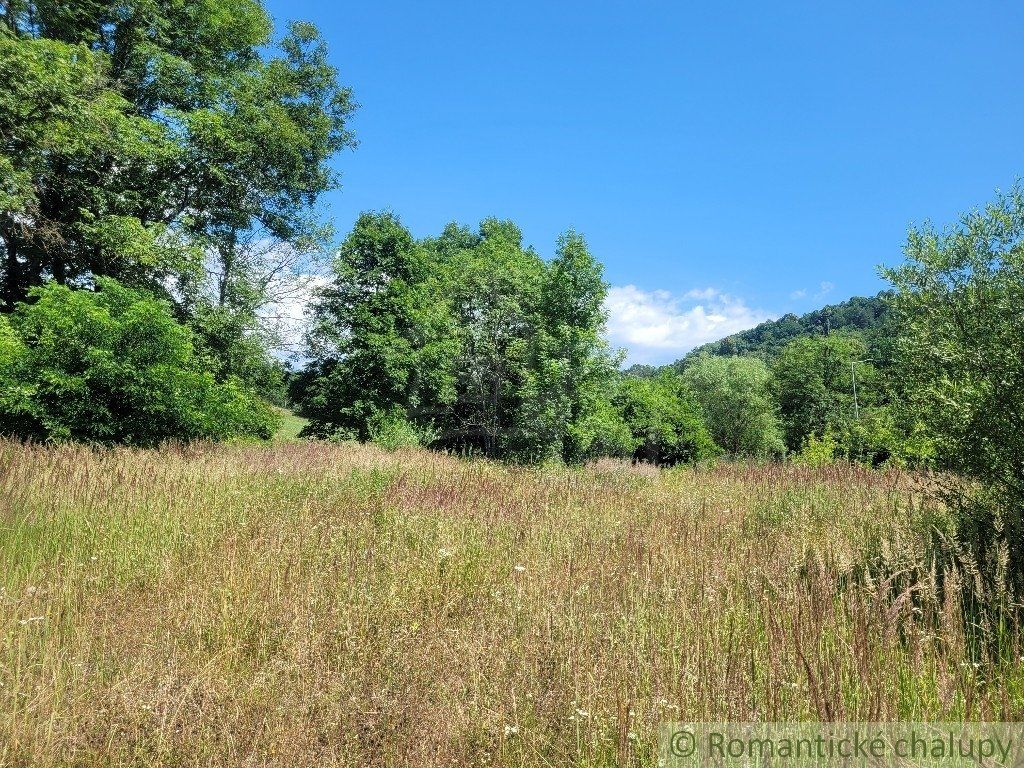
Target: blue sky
column 727, row 163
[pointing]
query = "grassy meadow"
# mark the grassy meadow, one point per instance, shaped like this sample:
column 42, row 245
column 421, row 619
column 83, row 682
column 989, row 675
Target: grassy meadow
column 333, row 604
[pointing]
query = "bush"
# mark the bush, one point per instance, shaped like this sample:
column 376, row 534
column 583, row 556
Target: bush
column 112, row 366
column 818, row 451
column 666, row 424
column 878, row 438
column 602, row 432
column 391, row 431
column 15, row 404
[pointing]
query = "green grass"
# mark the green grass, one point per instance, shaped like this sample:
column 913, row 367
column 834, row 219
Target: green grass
column 291, row 425
column 305, row 603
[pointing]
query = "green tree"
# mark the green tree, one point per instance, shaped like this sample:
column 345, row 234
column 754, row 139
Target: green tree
column 469, row 340
column 813, row 384
column 113, row 366
column 734, row 394
column 495, row 288
column 665, row 423
column 376, row 351
column 147, row 141
column 570, row 370
column 960, row 362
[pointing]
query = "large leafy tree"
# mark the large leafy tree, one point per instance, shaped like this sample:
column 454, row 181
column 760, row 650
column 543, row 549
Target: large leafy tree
column 734, row 394
column 960, row 360
column 379, row 354
column 569, row 371
column 495, row 287
column 140, row 139
column 467, row 340
column 532, row 375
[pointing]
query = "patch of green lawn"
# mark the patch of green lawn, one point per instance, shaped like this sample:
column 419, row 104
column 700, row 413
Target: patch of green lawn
column 291, row 425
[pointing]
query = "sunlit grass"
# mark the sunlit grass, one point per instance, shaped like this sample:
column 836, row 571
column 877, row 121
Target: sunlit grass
column 314, row 604
column 290, row 426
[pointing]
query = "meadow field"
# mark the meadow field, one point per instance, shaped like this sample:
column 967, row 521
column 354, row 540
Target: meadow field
column 334, row 604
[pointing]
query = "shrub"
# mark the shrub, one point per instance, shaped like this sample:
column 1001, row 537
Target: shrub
column 391, row 430
column 818, row 451
column 112, row 366
column 604, row 432
column 666, row 424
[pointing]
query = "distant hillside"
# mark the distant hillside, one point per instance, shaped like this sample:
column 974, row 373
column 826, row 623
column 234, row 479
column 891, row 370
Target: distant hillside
column 869, row 315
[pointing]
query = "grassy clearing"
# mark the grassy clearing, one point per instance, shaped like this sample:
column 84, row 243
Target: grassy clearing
column 291, row 425
column 312, row 604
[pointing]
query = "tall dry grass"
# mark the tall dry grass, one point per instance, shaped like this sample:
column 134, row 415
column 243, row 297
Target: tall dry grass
column 309, row 604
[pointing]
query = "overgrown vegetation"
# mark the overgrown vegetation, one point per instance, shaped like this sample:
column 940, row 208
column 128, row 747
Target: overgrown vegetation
column 181, row 154
column 471, row 340
column 844, row 542
column 960, row 365
column 317, row 604
column 112, row 366
column 178, row 148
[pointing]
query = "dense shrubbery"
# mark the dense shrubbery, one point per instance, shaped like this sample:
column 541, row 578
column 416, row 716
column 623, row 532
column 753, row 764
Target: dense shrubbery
column 664, row 420
column 113, row 366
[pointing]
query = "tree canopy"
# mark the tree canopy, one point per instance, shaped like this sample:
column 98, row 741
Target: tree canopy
column 177, row 148
column 868, row 316
column 138, row 137
column 470, row 339
column 960, row 360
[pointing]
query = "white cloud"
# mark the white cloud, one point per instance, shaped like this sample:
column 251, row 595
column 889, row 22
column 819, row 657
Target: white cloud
column 825, row 289
column 654, row 326
column 289, row 316
column 658, row 327
column 798, row 294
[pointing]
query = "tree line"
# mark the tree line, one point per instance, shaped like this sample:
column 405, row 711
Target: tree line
column 471, row 342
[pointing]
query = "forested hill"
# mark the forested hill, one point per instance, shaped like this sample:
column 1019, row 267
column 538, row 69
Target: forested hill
column 868, row 315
